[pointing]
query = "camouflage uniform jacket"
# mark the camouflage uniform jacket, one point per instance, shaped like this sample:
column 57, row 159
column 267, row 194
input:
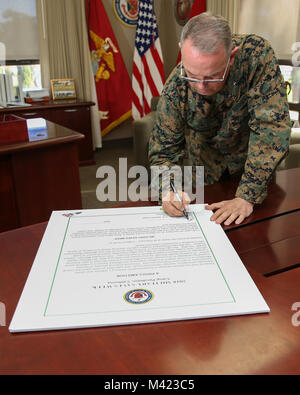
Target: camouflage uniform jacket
column 244, row 127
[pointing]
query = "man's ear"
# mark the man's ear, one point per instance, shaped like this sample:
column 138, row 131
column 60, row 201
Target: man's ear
column 233, row 53
column 179, row 44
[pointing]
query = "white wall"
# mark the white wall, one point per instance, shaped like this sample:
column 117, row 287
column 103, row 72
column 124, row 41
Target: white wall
column 275, row 20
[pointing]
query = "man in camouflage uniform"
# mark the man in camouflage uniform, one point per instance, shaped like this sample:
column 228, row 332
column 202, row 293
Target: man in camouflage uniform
column 229, row 92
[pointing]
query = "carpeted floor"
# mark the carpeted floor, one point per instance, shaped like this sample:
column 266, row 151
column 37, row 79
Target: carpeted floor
column 108, row 155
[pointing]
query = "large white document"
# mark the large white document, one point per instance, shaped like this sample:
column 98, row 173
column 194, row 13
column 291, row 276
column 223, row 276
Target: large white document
column 133, row 265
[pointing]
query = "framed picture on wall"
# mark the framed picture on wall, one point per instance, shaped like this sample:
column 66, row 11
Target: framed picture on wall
column 63, row 88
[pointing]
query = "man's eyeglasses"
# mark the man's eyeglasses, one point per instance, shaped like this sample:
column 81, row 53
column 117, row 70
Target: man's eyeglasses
column 208, row 80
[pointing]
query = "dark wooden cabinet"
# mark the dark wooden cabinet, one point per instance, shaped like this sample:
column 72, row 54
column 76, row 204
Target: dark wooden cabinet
column 74, row 115
column 38, row 177
column 8, row 215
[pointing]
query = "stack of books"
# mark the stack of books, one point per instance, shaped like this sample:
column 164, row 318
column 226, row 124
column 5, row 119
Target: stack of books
column 6, row 89
column 10, row 94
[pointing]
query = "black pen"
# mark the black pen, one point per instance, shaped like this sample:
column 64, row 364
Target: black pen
column 179, row 198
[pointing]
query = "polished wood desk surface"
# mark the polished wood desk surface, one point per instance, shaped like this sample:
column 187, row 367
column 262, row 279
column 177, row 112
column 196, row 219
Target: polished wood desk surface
column 253, row 344
column 72, row 114
column 48, row 134
column 283, row 196
column 270, row 246
column 47, row 105
column 39, row 175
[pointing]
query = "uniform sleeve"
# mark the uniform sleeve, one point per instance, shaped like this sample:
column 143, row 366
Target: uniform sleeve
column 166, row 145
column 167, row 141
column 269, row 123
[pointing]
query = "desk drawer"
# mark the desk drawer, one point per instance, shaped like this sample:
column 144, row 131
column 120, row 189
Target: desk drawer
column 72, row 117
column 34, row 114
column 8, row 215
column 77, row 119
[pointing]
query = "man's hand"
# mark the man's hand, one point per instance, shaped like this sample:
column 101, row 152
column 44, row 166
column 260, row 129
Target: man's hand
column 172, row 206
column 230, row 210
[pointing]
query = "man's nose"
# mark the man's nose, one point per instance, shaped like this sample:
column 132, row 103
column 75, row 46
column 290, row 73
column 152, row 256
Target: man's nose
column 201, row 85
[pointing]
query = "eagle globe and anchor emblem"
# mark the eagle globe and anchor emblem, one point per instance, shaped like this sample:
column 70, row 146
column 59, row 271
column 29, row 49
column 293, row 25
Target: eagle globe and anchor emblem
column 127, row 11
column 138, row 296
column 103, row 63
column 103, row 57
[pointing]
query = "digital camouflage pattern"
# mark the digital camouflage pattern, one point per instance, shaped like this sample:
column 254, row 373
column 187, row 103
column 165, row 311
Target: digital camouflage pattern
column 244, row 127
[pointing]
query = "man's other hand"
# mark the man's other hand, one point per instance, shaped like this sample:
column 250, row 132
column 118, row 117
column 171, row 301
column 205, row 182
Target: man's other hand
column 230, row 210
column 172, row 206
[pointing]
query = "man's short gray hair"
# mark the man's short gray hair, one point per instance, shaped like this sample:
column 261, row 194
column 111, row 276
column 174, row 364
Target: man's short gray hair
column 207, row 32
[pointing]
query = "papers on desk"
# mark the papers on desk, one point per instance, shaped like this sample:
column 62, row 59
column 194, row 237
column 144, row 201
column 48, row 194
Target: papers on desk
column 133, row 265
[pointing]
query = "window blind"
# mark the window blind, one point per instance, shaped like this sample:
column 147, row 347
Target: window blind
column 18, row 30
column 277, row 21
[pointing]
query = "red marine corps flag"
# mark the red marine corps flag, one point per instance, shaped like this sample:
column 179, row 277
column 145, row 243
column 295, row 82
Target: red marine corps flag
column 148, row 76
column 112, row 81
column 198, row 7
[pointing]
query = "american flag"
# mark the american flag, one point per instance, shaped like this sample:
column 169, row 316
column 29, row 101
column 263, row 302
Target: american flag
column 148, row 70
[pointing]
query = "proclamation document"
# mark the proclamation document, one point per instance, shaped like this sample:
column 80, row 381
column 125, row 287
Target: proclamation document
column 123, row 266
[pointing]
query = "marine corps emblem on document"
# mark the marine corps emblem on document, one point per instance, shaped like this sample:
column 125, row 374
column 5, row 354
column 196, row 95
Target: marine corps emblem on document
column 138, row 296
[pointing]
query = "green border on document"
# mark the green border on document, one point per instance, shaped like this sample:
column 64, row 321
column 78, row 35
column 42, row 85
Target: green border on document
column 97, row 312
column 62, row 245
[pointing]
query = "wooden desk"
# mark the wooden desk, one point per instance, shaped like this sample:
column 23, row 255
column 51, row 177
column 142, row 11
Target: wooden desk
column 270, row 246
column 72, row 114
column 283, row 196
column 271, row 242
column 254, row 344
column 272, row 230
column 39, row 176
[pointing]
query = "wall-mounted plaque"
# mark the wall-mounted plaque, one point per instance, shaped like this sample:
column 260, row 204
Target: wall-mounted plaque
column 182, row 10
column 127, row 11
